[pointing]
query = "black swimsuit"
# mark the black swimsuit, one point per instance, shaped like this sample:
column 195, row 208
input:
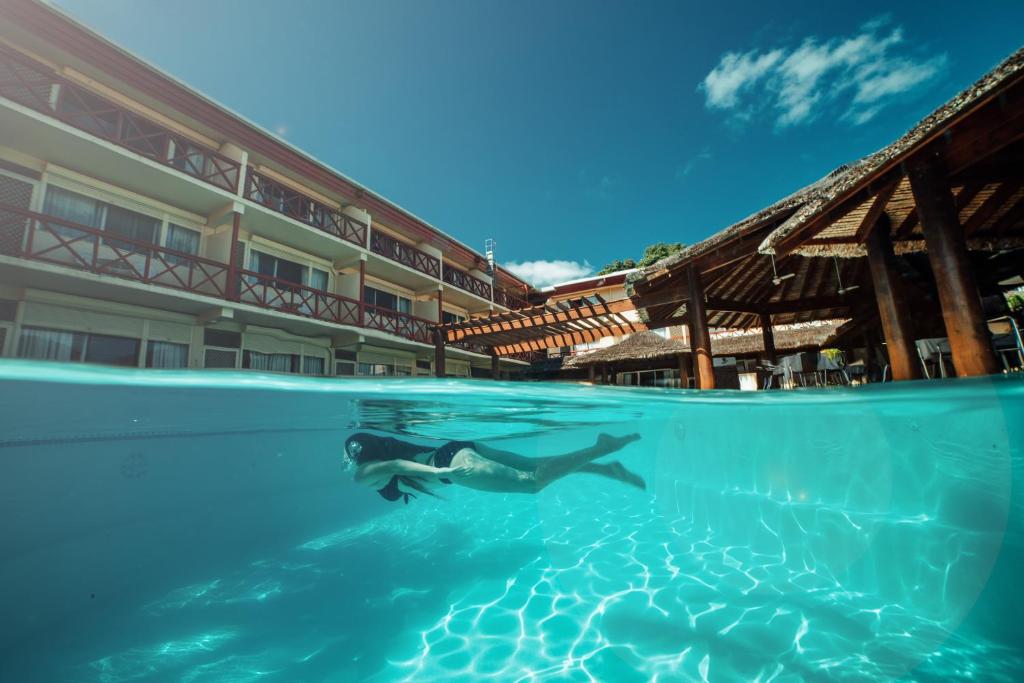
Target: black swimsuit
column 442, row 457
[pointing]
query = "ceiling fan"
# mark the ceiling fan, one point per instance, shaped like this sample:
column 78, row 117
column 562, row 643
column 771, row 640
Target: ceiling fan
column 776, row 278
column 842, row 290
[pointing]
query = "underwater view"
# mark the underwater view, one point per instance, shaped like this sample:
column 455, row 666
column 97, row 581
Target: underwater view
column 176, row 526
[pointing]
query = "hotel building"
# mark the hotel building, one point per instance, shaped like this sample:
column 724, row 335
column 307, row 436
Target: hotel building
column 142, row 224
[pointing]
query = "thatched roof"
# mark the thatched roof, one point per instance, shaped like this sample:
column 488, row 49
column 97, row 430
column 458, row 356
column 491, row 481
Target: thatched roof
column 651, row 346
column 821, row 197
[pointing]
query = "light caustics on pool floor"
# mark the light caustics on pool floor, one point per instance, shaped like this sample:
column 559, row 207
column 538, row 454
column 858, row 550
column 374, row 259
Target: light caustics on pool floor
column 601, row 584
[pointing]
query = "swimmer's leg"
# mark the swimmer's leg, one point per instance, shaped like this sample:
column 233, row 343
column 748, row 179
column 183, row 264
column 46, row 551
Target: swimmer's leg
column 615, row 470
column 553, row 469
column 606, row 444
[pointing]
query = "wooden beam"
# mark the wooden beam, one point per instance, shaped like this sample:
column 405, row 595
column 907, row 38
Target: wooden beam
column 947, row 252
column 565, row 339
column 989, row 207
column 684, row 371
column 439, row 369
column 875, row 211
column 540, row 316
column 893, row 307
column 700, row 338
column 768, row 337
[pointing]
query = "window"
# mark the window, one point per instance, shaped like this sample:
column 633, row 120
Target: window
column 78, row 208
column 376, row 369
column 166, row 355
column 344, row 368
column 394, row 302
column 271, row 362
column 220, row 358
column 447, row 318
column 287, row 272
column 312, row 365
column 403, row 370
column 46, row 344
column 225, row 338
column 181, row 239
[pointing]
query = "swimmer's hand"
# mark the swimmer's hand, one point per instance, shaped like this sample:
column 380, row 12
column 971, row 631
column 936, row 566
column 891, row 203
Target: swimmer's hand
column 460, row 472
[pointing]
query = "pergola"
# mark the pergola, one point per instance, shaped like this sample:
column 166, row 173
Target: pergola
column 537, row 328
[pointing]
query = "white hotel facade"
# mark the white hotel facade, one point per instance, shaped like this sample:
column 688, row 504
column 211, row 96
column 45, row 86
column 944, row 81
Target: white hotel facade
column 142, row 224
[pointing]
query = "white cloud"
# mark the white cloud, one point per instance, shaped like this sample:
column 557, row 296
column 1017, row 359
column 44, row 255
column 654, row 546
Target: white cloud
column 691, row 163
column 545, row 273
column 281, row 130
column 854, row 77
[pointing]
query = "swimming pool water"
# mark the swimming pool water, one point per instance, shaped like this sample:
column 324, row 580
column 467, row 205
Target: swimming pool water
column 199, row 527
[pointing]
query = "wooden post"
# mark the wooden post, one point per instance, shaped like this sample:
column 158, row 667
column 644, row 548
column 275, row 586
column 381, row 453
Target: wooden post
column 591, row 372
column 947, row 252
column 232, row 289
column 362, row 296
column 495, row 370
column 684, row 371
column 604, row 374
column 768, row 335
column 439, row 369
column 700, row 338
column 893, row 307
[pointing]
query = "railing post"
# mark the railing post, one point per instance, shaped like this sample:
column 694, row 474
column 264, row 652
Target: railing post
column 231, row 288
column 362, row 285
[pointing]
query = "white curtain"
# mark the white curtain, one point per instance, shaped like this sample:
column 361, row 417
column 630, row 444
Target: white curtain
column 46, row 344
column 271, row 362
column 73, row 207
column 167, row 355
column 311, row 365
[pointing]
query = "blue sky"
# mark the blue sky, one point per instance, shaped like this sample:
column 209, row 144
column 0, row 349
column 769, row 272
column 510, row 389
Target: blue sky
column 573, row 133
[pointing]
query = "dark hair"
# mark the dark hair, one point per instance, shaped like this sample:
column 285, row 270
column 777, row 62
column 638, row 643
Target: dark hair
column 380, row 448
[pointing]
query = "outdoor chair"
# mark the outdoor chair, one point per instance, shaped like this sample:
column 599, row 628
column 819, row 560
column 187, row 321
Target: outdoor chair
column 1006, row 341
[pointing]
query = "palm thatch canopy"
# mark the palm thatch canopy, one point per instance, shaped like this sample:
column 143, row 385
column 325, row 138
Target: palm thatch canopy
column 980, row 136
column 652, row 346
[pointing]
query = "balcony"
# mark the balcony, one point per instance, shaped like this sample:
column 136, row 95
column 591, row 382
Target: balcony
column 277, row 197
column 507, row 299
column 390, row 248
column 37, row 237
column 398, row 323
column 467, row 282
column 34, row 86
column 268, row 291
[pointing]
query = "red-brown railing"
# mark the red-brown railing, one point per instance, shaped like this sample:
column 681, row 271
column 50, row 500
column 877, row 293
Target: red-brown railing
column 508, row 299
column 53, row 240
column 463, row 280
column 33, row 85
column 398, row 323
column 291, row 297
column 273, row 195
column 388, row 247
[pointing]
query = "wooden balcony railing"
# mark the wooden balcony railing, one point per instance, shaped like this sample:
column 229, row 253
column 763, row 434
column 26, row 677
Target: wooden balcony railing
column 35, row 86
column 464, row 280
column 268, row 291
column 398, row 323
column 507, row 299
column 388, row 247
column 48, row 239
column 38, row 237
column 272, row 194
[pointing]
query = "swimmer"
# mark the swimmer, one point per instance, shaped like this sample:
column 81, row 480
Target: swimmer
column 399, row 470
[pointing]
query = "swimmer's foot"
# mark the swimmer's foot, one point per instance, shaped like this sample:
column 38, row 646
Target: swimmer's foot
column 617, row 471
column 610, row 444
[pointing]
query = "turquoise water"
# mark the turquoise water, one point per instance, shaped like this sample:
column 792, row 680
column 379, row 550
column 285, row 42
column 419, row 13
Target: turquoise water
column 199, row 527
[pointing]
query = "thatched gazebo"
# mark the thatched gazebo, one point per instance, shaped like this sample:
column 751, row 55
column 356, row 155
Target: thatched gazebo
column 649, row 351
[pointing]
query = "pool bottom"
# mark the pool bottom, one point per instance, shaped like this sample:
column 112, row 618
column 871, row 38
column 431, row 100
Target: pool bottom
column 597, row 583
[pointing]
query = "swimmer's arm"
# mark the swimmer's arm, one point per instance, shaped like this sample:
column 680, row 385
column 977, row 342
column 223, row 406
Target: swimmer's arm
column 389, row 468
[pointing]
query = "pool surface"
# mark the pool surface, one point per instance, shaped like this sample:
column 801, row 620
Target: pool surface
column 199, row 527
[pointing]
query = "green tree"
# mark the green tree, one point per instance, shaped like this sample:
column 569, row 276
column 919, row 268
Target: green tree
column 617, row 265
column 657, row 251
column 1015, row 301
column 652, row 254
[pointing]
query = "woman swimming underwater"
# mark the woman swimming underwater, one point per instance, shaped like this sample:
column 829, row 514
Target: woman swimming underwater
column 399, row 469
